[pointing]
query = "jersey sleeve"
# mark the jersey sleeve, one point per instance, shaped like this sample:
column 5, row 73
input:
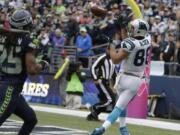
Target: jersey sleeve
column 96, row 65
column 127, row 45
column 28, row 44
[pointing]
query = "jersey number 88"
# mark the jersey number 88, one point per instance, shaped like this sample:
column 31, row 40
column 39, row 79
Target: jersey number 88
column 141, row 57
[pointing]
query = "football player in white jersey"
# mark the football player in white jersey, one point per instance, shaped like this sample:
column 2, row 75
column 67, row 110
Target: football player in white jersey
column 133, row 56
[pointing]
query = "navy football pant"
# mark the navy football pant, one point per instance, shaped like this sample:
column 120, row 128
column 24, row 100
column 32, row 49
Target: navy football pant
column 11, row 101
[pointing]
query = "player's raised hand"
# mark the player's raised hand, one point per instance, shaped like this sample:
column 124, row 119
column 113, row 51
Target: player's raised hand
column 44, row 62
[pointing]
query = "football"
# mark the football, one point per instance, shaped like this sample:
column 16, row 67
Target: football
column 98, row 11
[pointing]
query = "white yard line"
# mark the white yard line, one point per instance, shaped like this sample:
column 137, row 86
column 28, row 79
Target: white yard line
column 140, row 122
column 48, row 126
column 13, row 125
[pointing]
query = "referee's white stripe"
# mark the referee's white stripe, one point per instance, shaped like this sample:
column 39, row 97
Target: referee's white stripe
column 107, row 96
column 107, row 68
column 95, row 64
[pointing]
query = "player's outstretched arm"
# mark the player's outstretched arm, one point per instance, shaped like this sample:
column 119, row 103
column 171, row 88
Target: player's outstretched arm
column 31, row 65
column 117, row 57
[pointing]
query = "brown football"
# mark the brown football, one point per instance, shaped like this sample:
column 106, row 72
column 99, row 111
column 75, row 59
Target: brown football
column 98, row 11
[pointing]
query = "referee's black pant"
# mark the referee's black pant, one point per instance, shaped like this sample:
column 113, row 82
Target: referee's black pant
column 106, row 98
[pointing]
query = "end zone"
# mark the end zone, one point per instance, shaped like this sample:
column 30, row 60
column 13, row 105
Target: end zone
column 11, row 127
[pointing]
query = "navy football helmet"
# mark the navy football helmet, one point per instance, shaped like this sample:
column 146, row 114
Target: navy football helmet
column 21, row 19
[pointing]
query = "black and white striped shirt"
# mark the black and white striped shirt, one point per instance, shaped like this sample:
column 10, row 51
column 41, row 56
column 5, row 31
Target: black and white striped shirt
column 103, row 68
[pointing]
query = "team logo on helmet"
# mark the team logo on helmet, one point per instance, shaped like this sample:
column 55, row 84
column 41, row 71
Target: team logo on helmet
column 20, row 19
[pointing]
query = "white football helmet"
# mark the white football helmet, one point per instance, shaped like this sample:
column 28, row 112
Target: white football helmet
column 138, row 27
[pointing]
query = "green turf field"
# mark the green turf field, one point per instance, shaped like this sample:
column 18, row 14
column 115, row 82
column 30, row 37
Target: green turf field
column 81, row 123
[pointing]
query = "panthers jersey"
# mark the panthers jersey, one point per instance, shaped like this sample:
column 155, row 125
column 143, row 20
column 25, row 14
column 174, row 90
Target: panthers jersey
column 13, row 47
column 138, row 56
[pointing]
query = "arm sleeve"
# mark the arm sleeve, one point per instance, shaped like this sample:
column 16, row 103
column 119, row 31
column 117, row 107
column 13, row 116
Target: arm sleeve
column 93, row 72
column 127, row 45
column 28, row 45
column 95, row 66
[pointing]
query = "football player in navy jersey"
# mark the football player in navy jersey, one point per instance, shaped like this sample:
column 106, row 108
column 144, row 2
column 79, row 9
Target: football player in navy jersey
column 17, row 59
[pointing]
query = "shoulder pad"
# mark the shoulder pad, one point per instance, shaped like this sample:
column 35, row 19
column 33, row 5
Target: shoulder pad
column 128, row 45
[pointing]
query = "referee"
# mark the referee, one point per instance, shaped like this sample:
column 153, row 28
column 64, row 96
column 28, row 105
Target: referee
column 102, row 71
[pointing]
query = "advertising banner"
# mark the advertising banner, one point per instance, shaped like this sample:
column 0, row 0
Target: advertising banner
column 42, row 89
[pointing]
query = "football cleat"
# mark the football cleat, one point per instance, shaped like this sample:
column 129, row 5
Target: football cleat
column 124, row 131
column 98, row 131
column 91, row 117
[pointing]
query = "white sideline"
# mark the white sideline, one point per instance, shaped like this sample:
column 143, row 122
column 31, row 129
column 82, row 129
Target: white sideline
column 140, row 122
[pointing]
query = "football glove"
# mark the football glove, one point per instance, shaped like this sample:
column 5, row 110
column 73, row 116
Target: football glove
column 44, row 64
column 45, row 58
column 122, row 20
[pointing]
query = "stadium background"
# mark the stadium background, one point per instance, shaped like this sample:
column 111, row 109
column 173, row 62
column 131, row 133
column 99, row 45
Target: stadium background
column 69, row 16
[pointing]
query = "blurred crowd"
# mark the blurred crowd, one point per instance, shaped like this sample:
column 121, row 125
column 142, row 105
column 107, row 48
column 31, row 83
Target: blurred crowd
column 59, row 23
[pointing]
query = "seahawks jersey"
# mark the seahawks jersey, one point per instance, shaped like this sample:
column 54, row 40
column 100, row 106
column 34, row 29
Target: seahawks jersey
column 137, row 59
column 13, row 47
